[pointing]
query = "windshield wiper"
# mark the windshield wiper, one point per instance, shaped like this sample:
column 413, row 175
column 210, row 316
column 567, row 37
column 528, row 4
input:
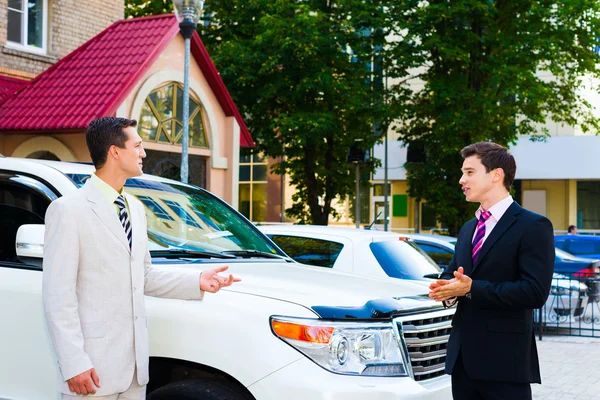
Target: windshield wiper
column 255, row 253
column 174, row 253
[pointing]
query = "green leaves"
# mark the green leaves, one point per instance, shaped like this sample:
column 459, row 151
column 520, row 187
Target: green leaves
column 142, row 8
column 490, row 70
column 308, row 77
column 300, row 73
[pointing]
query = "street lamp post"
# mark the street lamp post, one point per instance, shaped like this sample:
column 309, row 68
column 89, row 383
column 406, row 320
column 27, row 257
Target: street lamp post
column 188, row 14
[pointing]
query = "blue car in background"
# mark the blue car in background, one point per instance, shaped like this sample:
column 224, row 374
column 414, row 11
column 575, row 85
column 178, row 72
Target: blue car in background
column 441, row 250
column 566, row 263
column 579, row 245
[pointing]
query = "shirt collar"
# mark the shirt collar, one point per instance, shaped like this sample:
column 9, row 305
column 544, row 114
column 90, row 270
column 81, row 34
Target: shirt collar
column 107, row 191
column 498, row 209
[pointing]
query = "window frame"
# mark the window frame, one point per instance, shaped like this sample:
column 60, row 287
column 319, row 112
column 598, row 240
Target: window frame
column 254, row 161
column 36, row 186
column 25, row 29
column 174, row 138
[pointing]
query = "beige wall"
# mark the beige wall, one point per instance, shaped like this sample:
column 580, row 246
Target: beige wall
column 561, row 202
column 67, row 147
column 402, row 223
column 70, row 24
column 561, row 198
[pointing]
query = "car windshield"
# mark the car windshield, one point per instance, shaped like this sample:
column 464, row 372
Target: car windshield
column 183, row 217
column 404, row 260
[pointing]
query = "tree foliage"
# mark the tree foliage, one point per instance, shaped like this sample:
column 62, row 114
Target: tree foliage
column 301, row 73
column 143, row 8
column 491, row 70
column 460, row 71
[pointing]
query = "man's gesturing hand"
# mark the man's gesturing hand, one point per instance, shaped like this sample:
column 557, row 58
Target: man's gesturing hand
column 211, row 281
column 84, row 382
column 460, row 285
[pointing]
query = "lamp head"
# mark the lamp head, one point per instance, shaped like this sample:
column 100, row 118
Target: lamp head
column 188, row 11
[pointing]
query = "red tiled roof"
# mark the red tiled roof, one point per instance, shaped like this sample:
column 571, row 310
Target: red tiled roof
column 9, row 85
column 93, row 80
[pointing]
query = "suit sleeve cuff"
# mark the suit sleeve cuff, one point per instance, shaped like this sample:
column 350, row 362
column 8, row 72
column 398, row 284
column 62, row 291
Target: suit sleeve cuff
column 73, row 366
column 450, row 302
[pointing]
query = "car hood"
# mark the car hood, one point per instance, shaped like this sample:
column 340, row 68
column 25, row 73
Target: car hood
column 319, row 288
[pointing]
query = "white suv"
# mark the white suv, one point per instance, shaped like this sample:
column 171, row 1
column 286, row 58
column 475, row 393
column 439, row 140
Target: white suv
column 285, row 331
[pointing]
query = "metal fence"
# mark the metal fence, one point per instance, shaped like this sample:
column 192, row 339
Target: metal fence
column 573, row 307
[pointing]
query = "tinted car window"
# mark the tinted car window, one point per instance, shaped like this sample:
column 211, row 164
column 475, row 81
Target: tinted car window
column 321, row 253
column 404, row 260
column 440, row 255
column 18, row 205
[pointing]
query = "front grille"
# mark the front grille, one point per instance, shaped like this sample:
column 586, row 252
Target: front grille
column 426, row 337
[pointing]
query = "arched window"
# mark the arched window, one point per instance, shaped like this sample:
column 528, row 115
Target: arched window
column 161, row 117
column 44, row 155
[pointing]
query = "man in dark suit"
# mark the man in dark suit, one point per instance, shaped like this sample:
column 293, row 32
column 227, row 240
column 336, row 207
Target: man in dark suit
column 501, row 271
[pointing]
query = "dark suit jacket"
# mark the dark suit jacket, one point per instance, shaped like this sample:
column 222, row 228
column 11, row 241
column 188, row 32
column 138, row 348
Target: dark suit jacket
column 493, row 325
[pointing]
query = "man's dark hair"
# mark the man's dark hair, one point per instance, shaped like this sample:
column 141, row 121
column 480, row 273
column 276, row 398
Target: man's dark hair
column 571, row 228
column 493, row 156
column 104, row 132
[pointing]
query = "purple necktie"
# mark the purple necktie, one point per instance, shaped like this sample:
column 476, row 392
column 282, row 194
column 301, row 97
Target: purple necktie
column 479, row 235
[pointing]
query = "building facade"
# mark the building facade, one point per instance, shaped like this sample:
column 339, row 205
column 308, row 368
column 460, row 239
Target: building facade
column 132, row 69
column 34, row 34
column 558, row 178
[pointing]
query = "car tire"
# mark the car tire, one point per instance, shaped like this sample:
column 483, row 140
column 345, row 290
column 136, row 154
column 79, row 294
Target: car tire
column 197, row 390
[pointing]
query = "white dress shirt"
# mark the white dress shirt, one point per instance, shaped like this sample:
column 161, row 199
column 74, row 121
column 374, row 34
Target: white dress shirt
column 497, row 211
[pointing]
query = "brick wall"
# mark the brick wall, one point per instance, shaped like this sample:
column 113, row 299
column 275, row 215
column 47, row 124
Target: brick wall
column 70, row 24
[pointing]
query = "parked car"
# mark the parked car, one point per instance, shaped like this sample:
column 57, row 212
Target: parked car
column 566, row 263
column 579, row 245
column 357, row 251
column 439, row 247
column 347, row 337
column 571, row 288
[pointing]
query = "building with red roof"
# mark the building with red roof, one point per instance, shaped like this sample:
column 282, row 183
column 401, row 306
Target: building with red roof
column 9, row 85
column 132, row 69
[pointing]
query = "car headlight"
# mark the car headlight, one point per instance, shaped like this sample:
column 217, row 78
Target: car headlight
column 350, row 348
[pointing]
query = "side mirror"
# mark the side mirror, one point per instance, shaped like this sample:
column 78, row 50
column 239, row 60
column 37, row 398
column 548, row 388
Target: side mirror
column 30, row 244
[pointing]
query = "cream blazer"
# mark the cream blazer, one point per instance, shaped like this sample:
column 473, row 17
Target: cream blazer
column 94, row 287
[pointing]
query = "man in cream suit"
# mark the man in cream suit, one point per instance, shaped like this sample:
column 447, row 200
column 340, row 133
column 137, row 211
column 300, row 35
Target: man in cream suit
column 97, row 269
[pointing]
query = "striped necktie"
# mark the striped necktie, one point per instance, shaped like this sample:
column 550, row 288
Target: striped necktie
column 124, row 218
column 479, row 235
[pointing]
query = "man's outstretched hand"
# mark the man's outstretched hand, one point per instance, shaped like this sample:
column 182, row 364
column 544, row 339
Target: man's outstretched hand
column 442, row 290
column 84, row 383
column 212, row 282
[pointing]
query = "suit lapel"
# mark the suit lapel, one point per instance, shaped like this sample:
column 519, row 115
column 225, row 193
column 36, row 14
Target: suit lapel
column 105, row 212
column 505, row 222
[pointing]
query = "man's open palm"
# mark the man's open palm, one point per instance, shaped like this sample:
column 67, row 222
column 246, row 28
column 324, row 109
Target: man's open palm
column 212, row 282
column 443, row 290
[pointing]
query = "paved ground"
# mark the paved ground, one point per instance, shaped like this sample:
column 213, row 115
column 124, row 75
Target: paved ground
column 570, row 368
